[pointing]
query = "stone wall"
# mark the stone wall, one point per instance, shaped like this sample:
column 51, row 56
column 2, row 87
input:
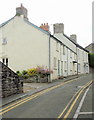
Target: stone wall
column 10, row 82
column 37, row 79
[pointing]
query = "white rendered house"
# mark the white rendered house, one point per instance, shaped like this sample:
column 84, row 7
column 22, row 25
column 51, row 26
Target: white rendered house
column 24, row 45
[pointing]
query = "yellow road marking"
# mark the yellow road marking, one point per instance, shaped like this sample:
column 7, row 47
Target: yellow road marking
column 32, row 97
column 68, row 104
column 74, row 102
column 73, row 98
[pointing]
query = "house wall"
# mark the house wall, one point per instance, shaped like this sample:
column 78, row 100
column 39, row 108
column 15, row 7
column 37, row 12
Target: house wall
column 28, row 46
column 65, row 41
column 25, row 49
column 83, row 66
column 69, row 68
column 62, row 59
column 0, row 45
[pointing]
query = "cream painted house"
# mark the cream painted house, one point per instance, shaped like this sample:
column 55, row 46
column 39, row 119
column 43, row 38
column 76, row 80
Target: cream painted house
column 24, row 45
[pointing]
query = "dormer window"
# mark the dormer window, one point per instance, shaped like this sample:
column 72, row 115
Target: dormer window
column 4, row 41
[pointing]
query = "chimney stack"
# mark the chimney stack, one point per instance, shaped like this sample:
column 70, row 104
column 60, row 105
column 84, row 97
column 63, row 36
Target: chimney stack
column 21, row 11
column 73, row 37
column 45, row 27
column 58, row 28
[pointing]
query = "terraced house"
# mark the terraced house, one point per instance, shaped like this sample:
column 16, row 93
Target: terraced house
column 24, row 45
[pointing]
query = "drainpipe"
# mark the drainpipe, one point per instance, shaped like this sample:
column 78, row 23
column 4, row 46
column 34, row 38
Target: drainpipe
column 49, row 79
column 77, row 60
column 67, row 61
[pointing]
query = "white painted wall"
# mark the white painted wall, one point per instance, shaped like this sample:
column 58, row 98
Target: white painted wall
column 83, row 61
column 26, row 46
column 66, row 41
column 0, row 45
column 70, row 68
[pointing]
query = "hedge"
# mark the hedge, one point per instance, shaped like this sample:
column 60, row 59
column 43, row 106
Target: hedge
column 91, row 59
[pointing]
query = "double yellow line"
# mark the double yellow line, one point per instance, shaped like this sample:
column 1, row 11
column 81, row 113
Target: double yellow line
column 12, row 106
column 73, row 101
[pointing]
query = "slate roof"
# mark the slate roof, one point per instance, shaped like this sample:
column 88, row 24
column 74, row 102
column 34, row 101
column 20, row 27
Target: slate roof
column 92, row 44
column 76, row 43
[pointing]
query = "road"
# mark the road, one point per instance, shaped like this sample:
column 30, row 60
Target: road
column 71, row 99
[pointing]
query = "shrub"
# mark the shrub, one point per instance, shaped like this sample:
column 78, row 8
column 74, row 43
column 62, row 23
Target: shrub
column 19, row 73
column 32, row 71
column 91, row 59
column 43, row 70
column 25, row 76
column 39, row 70
column 24, row 72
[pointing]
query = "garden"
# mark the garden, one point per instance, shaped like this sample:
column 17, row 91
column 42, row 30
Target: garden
column 37, row 74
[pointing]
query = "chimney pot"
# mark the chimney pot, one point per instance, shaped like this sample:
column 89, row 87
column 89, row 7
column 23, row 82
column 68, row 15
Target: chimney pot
column 45, row 26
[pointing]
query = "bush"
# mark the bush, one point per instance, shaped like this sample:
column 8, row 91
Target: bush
column 32, row 71
column 91, row 59
column 24, row 72
column 19, row 73
column 25, row 76
column 41, row 71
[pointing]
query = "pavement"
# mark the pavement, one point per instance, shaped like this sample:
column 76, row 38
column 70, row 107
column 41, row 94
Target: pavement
column 32, row 88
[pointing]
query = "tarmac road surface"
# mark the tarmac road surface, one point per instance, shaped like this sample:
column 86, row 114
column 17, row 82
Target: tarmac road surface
column 70, row 99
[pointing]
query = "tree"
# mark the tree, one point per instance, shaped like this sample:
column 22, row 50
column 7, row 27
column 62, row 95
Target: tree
column 91, row 59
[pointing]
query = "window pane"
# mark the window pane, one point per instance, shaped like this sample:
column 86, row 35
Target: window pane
column 3, row 60
column 7, row 61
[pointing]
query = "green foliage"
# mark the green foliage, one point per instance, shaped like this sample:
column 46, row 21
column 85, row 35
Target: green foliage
column 91, row 59
column 32, row 71
column 24, row 72
column 41, row 71
column 25, row 76
column 19, row 73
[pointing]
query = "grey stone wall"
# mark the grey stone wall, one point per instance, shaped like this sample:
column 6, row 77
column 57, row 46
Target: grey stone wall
column 36, row 79
column 10, row 82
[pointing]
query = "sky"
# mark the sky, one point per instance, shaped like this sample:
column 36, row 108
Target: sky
column 76, row 15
